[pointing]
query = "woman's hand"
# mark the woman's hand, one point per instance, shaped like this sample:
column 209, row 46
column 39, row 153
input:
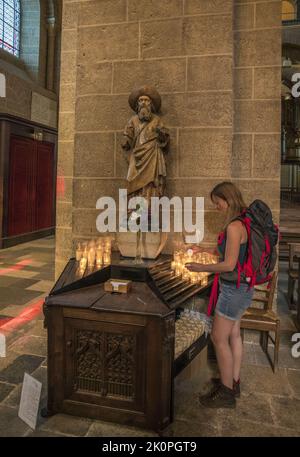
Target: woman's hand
column 196, row 249
column 195, row 267
column 200, row 249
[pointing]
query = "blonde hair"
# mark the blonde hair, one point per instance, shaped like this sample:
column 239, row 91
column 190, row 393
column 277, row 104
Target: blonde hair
column 233, row 197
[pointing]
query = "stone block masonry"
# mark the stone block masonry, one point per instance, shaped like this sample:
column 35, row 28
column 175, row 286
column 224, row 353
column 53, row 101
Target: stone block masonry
column 217, row 67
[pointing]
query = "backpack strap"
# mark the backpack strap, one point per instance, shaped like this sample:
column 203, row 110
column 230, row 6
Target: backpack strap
column 278, row 231
column 213, row 295
column 247, row 268
column 215, row 285
column 266, row 254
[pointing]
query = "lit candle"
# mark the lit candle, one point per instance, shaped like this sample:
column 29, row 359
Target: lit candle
column 173, row 265
column 79, row 252
column 176, row 256
column 194, row 278
column 82, row 263
column 99, row 258
column 178, row 269
column 185, row 274
column 190, row 253
column 204, row 280
column 91, row 257
column 107, row 244
column 85, row 253
column 106, row 258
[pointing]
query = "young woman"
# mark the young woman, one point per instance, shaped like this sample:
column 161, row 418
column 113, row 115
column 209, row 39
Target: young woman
column 232, row 301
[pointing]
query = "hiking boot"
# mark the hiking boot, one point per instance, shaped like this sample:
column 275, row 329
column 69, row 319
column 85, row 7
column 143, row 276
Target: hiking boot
column 219, row 397
column 236, row 386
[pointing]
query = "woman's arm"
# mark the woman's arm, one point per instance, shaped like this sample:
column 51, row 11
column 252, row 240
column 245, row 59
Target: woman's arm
column 212, row 250
column 232, row 249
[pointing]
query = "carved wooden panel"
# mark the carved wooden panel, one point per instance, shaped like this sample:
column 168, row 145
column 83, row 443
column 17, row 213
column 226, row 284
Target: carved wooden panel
column 104, row 363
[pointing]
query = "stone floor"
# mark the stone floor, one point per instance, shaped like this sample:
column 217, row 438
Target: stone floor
column 269, row 404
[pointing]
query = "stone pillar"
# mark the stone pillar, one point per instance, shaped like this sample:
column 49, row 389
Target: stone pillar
column 222, row 126
column 257, row 119
column 257, row 83
column 65, row 175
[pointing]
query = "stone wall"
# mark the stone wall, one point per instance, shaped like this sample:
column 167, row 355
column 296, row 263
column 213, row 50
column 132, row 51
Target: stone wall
column 26, row 77
column 216, row 65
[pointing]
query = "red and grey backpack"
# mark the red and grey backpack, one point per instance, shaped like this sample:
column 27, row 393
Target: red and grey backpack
column 261, row 255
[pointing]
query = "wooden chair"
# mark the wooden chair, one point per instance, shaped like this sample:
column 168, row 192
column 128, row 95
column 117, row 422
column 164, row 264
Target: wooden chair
column 264, row 319
column 298, row 298
column 292, row 272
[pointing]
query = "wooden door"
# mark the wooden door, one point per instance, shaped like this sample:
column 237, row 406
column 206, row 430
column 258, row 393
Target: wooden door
column 22, row 184
column 45, row 186
column 31, row 186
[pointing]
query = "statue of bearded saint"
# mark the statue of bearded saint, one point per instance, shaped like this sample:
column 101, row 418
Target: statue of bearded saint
column 145, row 141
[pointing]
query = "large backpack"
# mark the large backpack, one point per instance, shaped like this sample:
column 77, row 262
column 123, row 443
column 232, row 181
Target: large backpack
column 261, row 255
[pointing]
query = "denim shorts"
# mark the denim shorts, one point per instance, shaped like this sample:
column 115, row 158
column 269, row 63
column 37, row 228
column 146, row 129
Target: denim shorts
column 232, row 301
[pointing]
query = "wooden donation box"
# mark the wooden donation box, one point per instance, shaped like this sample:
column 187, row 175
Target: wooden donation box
column 113, row 356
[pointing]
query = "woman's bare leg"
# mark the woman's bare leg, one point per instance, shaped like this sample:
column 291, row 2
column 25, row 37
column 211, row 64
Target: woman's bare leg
column 236, row 345
column 220, row 335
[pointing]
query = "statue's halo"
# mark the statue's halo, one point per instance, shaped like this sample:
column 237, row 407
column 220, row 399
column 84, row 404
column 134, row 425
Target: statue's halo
column 150, row 91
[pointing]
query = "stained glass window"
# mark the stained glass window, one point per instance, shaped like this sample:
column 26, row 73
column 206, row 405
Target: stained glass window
column 10, row 26
column 289, row 10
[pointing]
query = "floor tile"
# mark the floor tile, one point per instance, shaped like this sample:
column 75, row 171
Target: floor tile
column 5, row 389
column 287, row 412
column 261, row 379
column 246, row 428
column 21, row 274
column 7, row 281
column 30, row 344
column 10, row 423
column 45, row 434
column 14, row 372
column 42, row 286
column 252, row 406
column 13, row 399
column 16, row 296
column 106, row 429
column 190, row 429
column 71, row 425
column 294, row 381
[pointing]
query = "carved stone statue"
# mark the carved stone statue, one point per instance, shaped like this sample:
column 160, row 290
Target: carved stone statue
column 145, row 141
